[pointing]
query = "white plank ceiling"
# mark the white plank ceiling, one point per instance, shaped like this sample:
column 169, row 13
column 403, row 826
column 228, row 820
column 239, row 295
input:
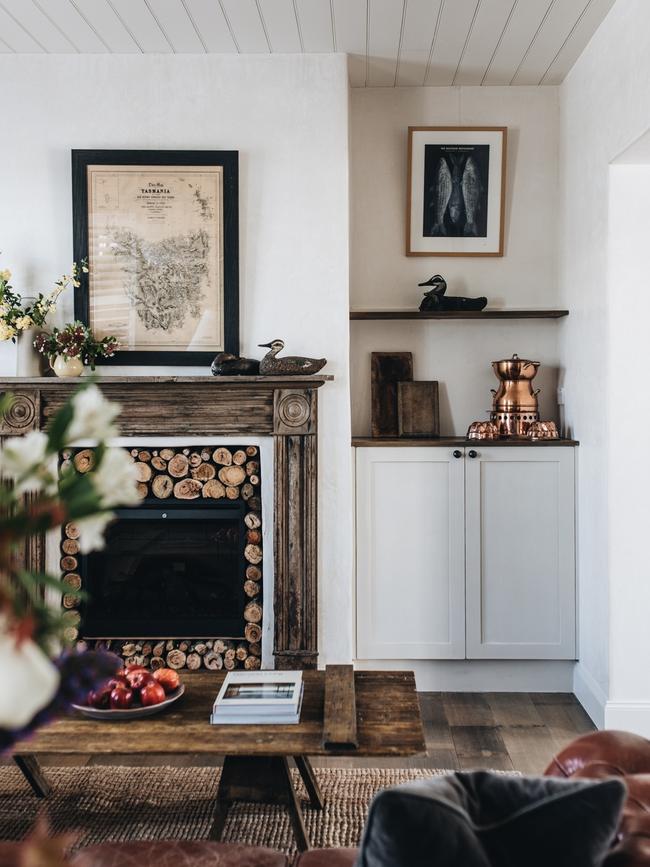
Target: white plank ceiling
column 390, row 43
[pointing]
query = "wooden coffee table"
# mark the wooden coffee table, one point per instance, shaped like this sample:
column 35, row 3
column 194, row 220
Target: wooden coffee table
column 344, row 713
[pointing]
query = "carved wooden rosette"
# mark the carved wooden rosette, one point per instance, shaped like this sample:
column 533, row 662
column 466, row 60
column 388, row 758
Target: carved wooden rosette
column 173, row 475
column 282, row 407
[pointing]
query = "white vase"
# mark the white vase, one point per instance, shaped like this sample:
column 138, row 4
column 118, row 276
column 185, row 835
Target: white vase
column 63, row 366
column 28, row 361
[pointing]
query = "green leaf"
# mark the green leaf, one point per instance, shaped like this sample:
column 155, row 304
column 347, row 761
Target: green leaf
column 58, row 427
column 6, row 400
column 35, row 580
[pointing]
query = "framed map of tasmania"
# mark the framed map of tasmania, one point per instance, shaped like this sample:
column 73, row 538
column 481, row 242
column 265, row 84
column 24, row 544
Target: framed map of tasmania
column 160, row 232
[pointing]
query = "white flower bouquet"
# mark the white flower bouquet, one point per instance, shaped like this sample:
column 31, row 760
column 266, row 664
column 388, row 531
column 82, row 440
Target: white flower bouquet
column 33, row 685
column 18, row 314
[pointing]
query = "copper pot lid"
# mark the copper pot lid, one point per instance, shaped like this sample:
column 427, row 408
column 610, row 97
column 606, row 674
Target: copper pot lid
column 514, row 359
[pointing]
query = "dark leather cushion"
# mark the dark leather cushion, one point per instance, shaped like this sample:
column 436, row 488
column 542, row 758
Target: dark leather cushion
column 177, row 853
column 327, row 858
column 484, row 820
column 11, row 855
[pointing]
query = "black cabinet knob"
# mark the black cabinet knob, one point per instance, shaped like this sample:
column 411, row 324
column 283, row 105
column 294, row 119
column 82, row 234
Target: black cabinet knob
column 458, row 453
column 472, row 453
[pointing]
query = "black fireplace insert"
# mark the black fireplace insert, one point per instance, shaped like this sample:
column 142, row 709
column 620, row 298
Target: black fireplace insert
column 168, row 571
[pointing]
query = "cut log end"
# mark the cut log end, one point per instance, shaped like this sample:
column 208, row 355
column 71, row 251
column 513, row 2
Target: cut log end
column 187, row 489
column 162, row 487
column 214, row 489
column 178, row 466
column 84, row 460
column 222, row 456
column 253, row 613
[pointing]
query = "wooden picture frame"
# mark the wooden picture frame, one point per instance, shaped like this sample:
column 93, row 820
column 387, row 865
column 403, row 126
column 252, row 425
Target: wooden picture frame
column 160, row 232
column 456, row 190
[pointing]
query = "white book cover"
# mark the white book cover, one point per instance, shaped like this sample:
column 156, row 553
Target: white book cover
column 259, row 691
column 251, row 717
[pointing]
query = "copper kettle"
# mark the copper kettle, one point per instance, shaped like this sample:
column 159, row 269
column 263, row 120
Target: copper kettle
column 515, row 392
column 514, row 407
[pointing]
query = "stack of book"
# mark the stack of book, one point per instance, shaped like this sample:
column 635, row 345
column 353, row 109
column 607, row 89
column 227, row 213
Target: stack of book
column 259, row 698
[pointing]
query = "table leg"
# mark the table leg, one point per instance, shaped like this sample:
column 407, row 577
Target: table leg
column 263, row 779
column 295, row 812
column 219, row 821
column 34, row 775
column 311, row 783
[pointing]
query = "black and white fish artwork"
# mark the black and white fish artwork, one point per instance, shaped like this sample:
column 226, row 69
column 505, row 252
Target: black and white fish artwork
column 456, row 190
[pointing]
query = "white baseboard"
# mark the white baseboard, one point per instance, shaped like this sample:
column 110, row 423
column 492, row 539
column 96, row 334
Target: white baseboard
column 591, row 695
column 481, row 675
column 629, row 716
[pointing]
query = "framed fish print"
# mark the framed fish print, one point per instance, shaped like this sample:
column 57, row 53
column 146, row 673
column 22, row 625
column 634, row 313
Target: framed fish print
column 456, row 190
column 159, row 230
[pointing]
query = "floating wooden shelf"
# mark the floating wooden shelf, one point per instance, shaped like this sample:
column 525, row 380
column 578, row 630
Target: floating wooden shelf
column 459, row 314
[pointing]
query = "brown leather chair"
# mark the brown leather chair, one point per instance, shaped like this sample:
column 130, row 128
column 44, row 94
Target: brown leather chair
column 615, row 754
column 177, row 853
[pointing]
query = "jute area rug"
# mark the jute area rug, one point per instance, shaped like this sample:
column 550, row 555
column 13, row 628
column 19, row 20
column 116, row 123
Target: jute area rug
column 120, row 803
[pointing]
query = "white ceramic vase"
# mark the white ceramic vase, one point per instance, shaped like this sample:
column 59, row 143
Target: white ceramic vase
column 63, row 366
column 28, row 361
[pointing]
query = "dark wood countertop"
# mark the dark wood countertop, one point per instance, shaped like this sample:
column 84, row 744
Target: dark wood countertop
column 461, row 442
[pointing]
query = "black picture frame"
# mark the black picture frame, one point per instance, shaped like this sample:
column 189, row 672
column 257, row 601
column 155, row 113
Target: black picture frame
column 229, row 160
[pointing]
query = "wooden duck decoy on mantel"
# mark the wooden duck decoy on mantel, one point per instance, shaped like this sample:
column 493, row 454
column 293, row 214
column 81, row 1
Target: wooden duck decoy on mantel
column 226, row 364
column 290, row 365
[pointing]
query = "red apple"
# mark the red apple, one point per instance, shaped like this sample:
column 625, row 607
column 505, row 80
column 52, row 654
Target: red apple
column 99, row 698
column 121, row 698
column 152, row 693
column 168, row 679
column 132, row 666
column 139, row 678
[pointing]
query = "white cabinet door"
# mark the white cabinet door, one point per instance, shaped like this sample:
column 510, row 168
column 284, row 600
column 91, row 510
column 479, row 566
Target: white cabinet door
column 520, row 552
column 410, row 553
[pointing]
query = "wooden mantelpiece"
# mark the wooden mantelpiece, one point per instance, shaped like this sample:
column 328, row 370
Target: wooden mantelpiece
column 282, row 407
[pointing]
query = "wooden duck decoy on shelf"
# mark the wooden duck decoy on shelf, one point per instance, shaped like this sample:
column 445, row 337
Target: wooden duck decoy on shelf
column 226, row 364
column 436, row 300
column 290, row 365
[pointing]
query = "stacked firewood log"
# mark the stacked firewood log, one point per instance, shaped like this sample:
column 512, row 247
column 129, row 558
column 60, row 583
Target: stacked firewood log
column 183, row 474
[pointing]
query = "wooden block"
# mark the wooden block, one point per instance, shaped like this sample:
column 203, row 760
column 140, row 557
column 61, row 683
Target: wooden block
column 340, row 712
column 417, row 409
column 386, row 370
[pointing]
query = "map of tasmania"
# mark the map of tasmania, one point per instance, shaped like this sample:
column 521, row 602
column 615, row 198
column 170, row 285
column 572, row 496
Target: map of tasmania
column 164, row 278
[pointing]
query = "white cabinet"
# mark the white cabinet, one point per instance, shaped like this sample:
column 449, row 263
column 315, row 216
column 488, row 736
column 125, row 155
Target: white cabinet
column 520, row 560
column 465, row 552
column 410, row 554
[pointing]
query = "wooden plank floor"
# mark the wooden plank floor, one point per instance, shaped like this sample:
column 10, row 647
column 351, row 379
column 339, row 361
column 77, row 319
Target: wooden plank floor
column 500, row 731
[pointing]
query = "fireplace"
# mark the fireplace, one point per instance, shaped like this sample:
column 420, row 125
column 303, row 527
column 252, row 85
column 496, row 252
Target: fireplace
column 280, row 409
column 166, row 572
column 179, row 582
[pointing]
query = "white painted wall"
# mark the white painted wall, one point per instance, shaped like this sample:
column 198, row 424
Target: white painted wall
column 629, row 468
column 605, row 106
column 457, row 354
column 288, row 117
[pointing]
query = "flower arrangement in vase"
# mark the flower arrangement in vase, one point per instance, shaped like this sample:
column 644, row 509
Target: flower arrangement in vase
column 22, row 316
column 72, row 347
column 41, row 676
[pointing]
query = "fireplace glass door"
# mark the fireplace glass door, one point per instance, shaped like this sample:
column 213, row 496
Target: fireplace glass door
column 176, row 571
